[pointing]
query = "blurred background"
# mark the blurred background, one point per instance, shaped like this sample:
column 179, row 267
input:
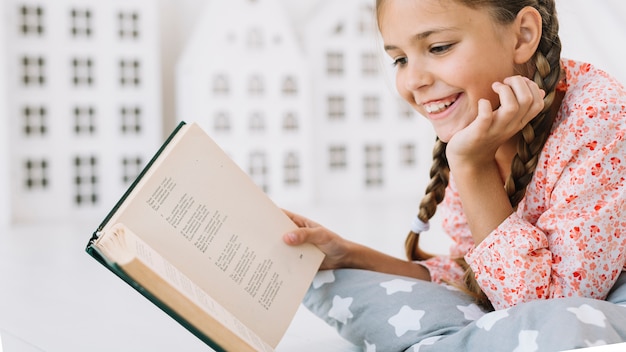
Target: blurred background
column 297, row 92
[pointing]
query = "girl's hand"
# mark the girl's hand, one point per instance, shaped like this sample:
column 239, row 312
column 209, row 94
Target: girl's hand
column 335, row 247
column 520, row 102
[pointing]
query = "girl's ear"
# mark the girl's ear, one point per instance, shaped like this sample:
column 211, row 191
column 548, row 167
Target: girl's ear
column 528, row 31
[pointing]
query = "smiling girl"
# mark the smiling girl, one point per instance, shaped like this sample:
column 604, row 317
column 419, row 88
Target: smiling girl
column 529, row 164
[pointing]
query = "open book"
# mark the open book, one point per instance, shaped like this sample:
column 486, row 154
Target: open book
column 199, row 239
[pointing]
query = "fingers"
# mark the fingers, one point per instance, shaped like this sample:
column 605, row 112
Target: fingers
column 520, row 100
column 299, row 220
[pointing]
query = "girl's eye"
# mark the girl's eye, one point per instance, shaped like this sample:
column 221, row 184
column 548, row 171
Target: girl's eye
column 399, row 61
column 440, row 49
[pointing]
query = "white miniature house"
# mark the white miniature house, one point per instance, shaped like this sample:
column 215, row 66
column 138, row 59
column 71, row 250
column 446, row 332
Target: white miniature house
column 323, row 110
column 244, row 79
column 82, row 113
column 368, row 142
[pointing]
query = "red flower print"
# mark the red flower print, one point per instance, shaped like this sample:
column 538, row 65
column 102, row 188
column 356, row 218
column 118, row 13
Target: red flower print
column 615, row 162
column 579, row 274
column 596, row 169
column 585, row 67
column 591, row 111
column 541, row 291
column 575, row 233
column 592, row 145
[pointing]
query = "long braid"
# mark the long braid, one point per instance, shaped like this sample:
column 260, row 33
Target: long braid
column 546, row 73
column 435, row 192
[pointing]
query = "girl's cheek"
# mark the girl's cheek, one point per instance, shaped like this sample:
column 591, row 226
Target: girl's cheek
column 404, row 93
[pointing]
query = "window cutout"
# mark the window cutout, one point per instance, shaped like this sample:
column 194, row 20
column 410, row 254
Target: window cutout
column 131, row 167
column 36, row 174
column 337, row 156
column 257, row 169
column 221, row 122
column 82, row 72
column 255, row 39
column 31, row 20
column 130, row 119
column 373, row 165
column 369, row 64
column 334, row 64
column 371, row 108
column 338, row 29
column 85, row 180
column 366, row 23
column 290, row 122
column 33, row 71
column 405, row 110
column 128, row 25
column 257, row 122
column 34, row 119
column 256, row 86
column 407, row 155
column 336, row 107
column 130, row 73
column 81, row 23
column 292, row 169
column 84, row 120
column 290, row 86
column 221, row 85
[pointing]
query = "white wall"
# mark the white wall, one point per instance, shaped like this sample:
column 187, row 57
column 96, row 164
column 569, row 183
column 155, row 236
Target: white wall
column 594, row 31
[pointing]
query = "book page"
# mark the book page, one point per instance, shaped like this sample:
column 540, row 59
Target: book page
column 203, row 214
column 120, row 245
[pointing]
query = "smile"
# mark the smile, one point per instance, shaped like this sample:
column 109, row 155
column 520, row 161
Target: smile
column 440, row 106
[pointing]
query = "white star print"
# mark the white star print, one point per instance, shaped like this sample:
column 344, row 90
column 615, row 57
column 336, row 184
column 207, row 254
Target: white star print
column 406, row 319
column 323, row 277
column 427, row 341
column 527, row 341
column 471, row 312
column 369, row 347
column 451, row 288
column 340, row 310
column 487, row 321
column 589, row 315
column 595, row 344
column 397, row 285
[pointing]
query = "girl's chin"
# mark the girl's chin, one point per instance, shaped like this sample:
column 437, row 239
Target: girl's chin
column 444, row 136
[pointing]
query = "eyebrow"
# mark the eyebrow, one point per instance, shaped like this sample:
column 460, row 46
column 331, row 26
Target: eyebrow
column 423, row 35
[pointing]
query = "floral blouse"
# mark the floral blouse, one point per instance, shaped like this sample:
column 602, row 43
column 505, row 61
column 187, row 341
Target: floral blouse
column 567, row 236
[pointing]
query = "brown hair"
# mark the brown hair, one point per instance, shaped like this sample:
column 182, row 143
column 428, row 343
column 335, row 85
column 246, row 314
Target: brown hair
column 545, row 70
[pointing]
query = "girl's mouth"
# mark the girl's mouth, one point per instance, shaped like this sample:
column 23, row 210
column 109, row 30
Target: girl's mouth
column 437, row 107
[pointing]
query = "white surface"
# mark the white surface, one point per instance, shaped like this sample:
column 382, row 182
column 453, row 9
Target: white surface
column 57, row 298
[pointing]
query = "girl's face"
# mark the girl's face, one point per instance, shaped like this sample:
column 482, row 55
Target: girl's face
column 447, row 56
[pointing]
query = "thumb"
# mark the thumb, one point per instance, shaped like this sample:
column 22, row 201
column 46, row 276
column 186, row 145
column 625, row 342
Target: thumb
column 318, row 236
column 295, row 237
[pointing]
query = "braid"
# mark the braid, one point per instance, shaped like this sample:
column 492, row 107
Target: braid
column 547, row 72
column 435, row 192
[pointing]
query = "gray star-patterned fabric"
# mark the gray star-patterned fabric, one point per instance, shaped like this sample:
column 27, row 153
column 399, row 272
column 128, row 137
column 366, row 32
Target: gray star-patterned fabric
column 389, row 313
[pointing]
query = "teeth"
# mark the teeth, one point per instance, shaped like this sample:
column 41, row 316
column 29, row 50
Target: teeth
column 437, row 107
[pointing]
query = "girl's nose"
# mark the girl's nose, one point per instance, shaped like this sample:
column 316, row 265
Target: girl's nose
column 417, row 76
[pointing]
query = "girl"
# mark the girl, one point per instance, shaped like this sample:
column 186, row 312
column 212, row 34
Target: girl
column 529, row 163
